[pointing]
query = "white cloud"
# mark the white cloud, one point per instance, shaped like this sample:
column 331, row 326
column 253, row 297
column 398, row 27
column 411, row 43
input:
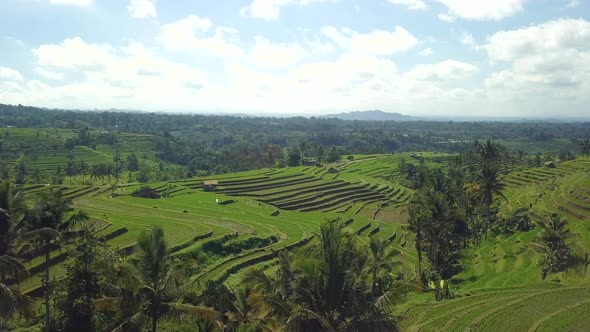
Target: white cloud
column 132, row 77
column 80, row 3
column 264, row 53
column 270, row 9
column 482, row 9
column 192, row 34
column 546, row 63
column 426, row 52
column 448, row 70
column 10, row 74
column 129, row 77
column 49, row 74
column 264, row 9
column 447, row 18
column 73, row 53
column 573, row 3
column 376, row 42
column 142, row 8
column 410, row 4
column 552, row 36
column 468, row 40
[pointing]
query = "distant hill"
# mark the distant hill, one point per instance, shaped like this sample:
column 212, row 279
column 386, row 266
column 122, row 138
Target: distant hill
column 375, row 115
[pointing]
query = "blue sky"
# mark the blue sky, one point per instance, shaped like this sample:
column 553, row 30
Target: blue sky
column 418, row 57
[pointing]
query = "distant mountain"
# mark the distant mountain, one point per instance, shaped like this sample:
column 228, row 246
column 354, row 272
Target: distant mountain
column 375, row 115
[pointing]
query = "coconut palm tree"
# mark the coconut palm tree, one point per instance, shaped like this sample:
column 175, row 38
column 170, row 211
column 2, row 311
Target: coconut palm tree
column 584, row 147
column 555, row 250
column 12, row 208
column 45, row 227
column 331, row 288
column 156, row 285
column 11, row 301
column 417, row 221
column 441, row 219
column 489, row 152
column 554, row 232
column 11, row 269
column 486, row 186
column 382, row 260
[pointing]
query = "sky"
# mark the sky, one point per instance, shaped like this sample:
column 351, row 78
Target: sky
column 489, row 58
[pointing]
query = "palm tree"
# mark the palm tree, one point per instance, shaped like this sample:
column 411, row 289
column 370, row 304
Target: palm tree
column 12, row 208
column 441, row 218
column 554, row 232
column 489, row 152
column 331, row 288
column 486, row 186
column 52, row 217
column 584, row 147
column 381, row 260
column 11, row 269
column 417, row 220
column 83, row 167
column 11, row 301
column 156, row 282
column 554, row 236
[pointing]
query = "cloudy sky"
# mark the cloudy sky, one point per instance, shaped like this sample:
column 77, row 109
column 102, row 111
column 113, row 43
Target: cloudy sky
column 418, row 57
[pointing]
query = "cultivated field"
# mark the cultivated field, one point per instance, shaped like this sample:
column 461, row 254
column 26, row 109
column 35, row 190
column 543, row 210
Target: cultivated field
column 499, row 289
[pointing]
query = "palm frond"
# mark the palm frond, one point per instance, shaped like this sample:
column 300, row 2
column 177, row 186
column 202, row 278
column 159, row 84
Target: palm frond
column 75, row 219
column 299, row 313
column 107, row 304
column 11, row 267
column 133, row 323
column 256, row 279
column 40, row 235
column 8, row 301
column 396, row 294
column 182, row 312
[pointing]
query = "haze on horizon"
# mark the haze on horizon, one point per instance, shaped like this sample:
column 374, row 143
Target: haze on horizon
column 443, row 58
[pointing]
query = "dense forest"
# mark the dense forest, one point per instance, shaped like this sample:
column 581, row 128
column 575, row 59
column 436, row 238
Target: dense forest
column 218, row 144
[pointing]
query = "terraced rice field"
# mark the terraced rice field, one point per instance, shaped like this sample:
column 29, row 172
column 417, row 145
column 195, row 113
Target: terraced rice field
column 43, row 149
column 542, row 308
column 500, row 282
column 289, row 204
column 500, row 288
column 318, row 189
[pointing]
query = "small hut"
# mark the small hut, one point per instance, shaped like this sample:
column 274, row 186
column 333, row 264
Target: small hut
column 146, row 192
column 332, row 170
column 210, row 185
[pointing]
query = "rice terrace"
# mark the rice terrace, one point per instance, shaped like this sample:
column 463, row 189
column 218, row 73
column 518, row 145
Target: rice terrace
column 294, row 166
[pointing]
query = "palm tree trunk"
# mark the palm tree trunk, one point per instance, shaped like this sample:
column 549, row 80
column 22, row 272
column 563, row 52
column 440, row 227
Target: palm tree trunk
column 488, row 221
column 154, row 323
column 375, row 290
column 419, row 263
column 419, row 250
column 46, row 285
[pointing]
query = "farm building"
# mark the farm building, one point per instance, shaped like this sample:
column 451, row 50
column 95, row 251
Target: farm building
column 210, row 185
column 310, row 162
column 332, row 170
